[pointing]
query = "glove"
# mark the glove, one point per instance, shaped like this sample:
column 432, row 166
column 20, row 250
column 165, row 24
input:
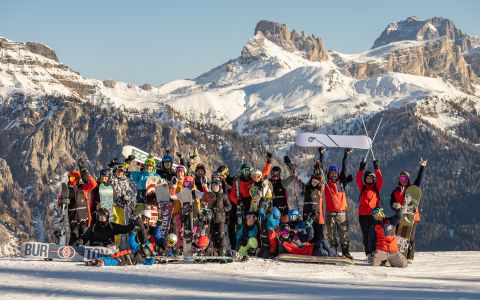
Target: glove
column 269, row 157
column 174, row 181
column 321, row 150
column 376, row 164
column 396, row 205
column 113, row 163
column 130, row 158
column 363, row 163
column 348, row 150
column 308, row 223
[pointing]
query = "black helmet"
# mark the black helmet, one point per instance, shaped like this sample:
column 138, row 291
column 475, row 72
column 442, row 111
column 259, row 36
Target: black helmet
column 276, row 169
column 201, row 167
column 369, row 173
column 103, row 212
column 104, row 172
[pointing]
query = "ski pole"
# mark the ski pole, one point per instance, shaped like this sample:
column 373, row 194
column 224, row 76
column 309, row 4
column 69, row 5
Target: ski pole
column 375, row 135
column 370, row 142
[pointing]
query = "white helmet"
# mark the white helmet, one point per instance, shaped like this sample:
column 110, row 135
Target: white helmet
column 256, row 173
column 146, row 213
column 171, row 240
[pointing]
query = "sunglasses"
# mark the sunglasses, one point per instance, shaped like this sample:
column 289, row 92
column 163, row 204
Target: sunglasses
column 403, row 178
column 188, row 184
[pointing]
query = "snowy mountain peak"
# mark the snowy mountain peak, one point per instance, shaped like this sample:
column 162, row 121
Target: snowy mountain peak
column 414, row 29
column 309, row 47
column 33, row 47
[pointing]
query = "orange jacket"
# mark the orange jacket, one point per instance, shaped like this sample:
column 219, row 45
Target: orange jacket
column 244, row 186
column 386, row 240
column 369, row 193
column 335, row 197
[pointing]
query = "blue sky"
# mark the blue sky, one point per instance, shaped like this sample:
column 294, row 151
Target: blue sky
column 158, row 41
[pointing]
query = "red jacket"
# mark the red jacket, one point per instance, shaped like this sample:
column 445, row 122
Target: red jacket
column 292, row 248
column 386, row 239
column 335, row 197
column 244, row 186
column 369, row 193
column 399, row 195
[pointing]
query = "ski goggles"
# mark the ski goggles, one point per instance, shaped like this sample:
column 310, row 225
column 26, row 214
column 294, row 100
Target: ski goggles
column 72, row 178
column 251, row 217
column 246, row 171
column 284, row 232
column 188, row 184
column 403, row 178
column 216, row 183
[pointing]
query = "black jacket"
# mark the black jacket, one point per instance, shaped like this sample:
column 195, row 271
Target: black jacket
column 220, row 207
column 102, row 234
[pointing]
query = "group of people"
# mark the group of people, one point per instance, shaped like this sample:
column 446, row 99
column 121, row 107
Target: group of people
column 251, row 214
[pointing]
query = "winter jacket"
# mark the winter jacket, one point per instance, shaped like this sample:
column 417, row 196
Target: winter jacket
column 369, row 193
column 382, row 235
column 260, row 194
column 140, row 178
column 102, row 234
column 398, row 194
column 221, row 206
column 241, row 186
column 79, row 208
column 335, row 196
column 123, row 190
column 166, row 174
column 245, row 233
column 313, row 202
column 95, row 200
column 280, row 195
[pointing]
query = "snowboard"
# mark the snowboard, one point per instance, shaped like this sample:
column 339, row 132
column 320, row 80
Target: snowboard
column 315, row 259
column 412, row 197
column 185, row 197
column 63, row 234
column 204, row 218
column 36, row 250
column 106, row 199
column 306, row 139
column 140, row 155
column 162, row 193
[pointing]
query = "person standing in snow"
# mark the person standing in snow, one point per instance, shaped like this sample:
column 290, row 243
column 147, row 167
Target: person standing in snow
column 369, row 185
column 397, row 200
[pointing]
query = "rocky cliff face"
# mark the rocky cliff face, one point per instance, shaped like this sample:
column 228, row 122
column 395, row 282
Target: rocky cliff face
column 434, row 58
column 414, row 29
column 310, row 47
column 472, row 57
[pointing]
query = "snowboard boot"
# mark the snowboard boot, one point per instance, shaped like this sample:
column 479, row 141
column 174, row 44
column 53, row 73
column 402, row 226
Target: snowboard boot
column 100, row 263
column 346, row 252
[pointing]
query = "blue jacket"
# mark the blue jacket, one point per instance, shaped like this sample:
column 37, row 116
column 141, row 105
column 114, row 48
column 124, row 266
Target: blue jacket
column 272, row 223
column 140, row 178
column 251, row 234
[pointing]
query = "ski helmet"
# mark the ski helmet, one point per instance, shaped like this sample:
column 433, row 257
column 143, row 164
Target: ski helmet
column 104, row 172
column 123, row 167
column 201, row 167
column 276, row 169
column 171, row 240
column 257, row 174
column 371, row 174
column 150, row 161
column 333, row 168
column 276, row 172
column 103, row 212
column 75, row 173
column 167, row 158
column 245, row 169
column 293, row 215
column 147, row 248
column 223, row 170
column 376, row 211
column 188, row 182
column 181, row 168
column 276, row 213
column 216, row 175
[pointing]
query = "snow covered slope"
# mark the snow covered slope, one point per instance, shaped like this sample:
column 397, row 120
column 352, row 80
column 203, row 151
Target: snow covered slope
column 433, row 275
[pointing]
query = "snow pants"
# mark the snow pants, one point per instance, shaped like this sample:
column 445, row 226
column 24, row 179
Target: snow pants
column 337, row 222
column 379, row 257
column 366, row 222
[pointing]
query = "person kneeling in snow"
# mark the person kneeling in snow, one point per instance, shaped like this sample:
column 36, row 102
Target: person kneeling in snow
column 289, row 243
column 382, row 237
column 246, row 236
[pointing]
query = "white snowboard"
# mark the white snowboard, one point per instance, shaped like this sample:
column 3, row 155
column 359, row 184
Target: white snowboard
column 307, row 139
column 140, row 155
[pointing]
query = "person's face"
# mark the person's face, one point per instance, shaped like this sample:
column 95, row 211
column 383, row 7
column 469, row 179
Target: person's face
column 333, row 175
column 199, row 173
column 250, row 221
column 379, row 216
column 102, row 218
column 104, row 179
column 369, row 180
column 256, row 178
column 149, row 168
column 119, row 173
column 246, row 172
column 180, row 175
column 167, row 165
column 216, row 188
column 403, row 180
column 315, row 181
